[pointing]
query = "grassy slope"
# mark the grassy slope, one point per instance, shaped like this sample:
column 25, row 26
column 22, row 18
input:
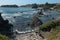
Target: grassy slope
column 57, row 6
column 54, row 33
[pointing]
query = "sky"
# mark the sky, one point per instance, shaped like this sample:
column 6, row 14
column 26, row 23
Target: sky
column 23, row 2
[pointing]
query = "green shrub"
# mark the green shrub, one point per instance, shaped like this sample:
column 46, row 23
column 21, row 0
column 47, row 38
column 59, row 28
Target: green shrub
column 57, row 6
column 3, row 37
column 47, row 24
column 54, row 34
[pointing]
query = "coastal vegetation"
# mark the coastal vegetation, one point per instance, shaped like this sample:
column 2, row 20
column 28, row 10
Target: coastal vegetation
column 45, row 6
column 51, row 24
column 3, row 37
column 51, row 29
column 48, row 6
column 57, row 6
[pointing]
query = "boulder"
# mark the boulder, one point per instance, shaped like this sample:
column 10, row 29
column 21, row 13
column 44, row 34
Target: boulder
column 35, row 21
column 5, row 27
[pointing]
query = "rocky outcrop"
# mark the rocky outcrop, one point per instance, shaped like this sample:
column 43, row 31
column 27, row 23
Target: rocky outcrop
column 35, row 21
column 40, row 12
column 5, row 27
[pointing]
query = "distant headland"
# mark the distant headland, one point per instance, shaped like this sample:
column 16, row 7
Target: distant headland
column 9, row 6
column 37, row 6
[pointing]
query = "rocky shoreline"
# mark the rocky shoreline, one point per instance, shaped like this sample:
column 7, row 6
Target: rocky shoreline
column 5, row 27
column 28, row 36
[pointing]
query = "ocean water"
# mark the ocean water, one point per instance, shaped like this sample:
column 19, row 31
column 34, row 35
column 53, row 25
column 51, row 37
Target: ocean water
column 20, row 17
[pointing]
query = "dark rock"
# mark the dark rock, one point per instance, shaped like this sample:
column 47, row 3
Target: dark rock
column 35, row 22
column 40, row 13
column 53, row 18
column 35, row 6
column 14, row 16
column 41, row 36
column 5, row 27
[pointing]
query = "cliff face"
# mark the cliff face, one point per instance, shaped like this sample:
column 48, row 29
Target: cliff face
column 5, row 26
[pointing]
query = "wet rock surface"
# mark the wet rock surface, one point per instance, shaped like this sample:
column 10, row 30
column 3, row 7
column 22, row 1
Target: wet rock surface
column 5, row 27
